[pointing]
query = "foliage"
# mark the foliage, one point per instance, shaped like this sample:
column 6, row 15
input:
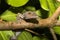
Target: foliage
column 8, row 16
column 44, row 4
column 36, row 38
column 42, row 9
column 24, row 36
column 17, row 3
column 31, row 8
column 5, row 35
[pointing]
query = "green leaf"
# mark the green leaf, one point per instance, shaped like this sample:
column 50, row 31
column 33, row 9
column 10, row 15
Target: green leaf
column 30, row 8
column 52, row 7
column 44, row 4
column 24, row 36
column 36, row 38
column 57, row 3
column 38, row 12
column 1, row 37
column 9, row 33
column 8, row 16
column 4, row 36
column 17, row 3
column 57, row 29
column 39, row 38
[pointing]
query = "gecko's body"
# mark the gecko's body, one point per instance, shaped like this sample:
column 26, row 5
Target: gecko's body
column 27, row 15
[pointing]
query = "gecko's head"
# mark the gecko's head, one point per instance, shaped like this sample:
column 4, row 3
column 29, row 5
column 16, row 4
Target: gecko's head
column 30, row 15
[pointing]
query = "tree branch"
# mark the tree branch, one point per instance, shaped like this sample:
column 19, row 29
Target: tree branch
column 41, row 22
column 21, row 25
column 56, row 13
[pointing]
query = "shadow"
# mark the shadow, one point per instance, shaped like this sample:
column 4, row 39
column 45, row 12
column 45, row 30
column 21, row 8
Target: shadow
column 4, row 6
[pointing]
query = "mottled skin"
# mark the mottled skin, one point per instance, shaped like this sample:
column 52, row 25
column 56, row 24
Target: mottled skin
column 30, row 15
column 27, row 15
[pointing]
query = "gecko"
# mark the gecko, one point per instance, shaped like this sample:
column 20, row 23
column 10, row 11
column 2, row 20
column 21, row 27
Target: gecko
column 29, row 16
column 26, row 16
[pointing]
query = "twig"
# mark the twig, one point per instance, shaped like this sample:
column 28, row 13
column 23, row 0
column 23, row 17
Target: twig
column 56, row 13
column 53, row 34
column 54, row 17
column 32, row 32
